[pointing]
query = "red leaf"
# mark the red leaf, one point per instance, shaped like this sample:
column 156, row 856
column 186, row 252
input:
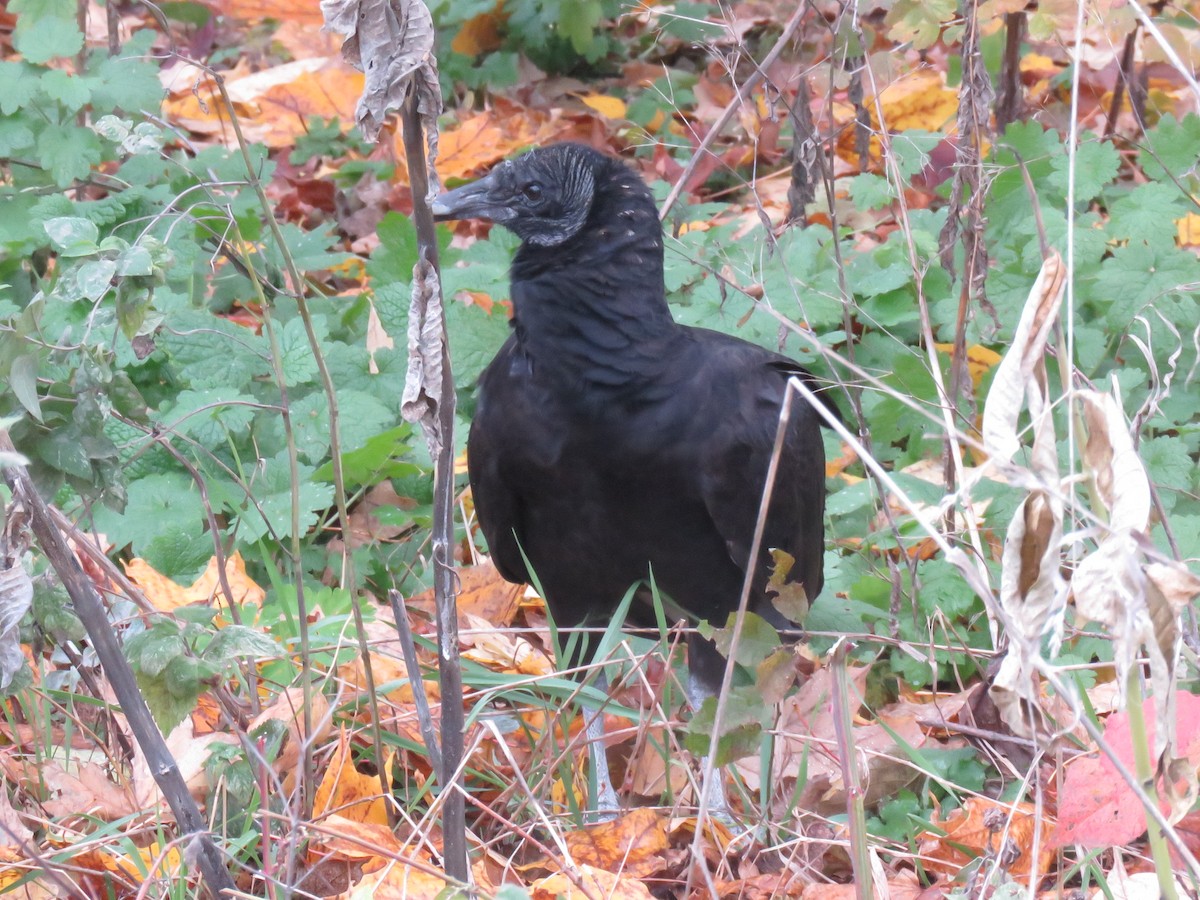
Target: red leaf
column 1097, row 807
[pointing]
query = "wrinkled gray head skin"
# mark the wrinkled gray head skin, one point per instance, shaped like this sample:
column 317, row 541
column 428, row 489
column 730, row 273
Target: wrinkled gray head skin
column 543, row 197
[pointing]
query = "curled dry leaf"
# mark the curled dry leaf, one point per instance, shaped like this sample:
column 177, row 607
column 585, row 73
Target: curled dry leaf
column 1111, row 585
column 1005, row 400
column 1113, row 463
column 190, row 753
column 426, row 341
column 392, row 42
column 1031, row 593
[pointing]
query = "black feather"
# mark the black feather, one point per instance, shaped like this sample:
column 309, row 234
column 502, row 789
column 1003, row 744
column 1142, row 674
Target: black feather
column 610, row 441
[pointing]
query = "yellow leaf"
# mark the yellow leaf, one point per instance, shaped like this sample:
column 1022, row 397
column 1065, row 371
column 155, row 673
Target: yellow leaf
column 980, row 360
column 1189, row 230
column 609, row 107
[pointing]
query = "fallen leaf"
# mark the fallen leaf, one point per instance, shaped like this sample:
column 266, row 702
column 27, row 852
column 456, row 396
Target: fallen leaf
column 589, row 883
column 631, row 844
column 1097, row 807
column 608, row 106
column 979, row 827
column 480, row 33
column 348, row 792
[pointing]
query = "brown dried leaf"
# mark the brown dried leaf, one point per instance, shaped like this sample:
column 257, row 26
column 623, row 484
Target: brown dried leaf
column 1015, row 374
column 589, row 883
column 190, row 754
column 649, row 768
column 482, row 593
column 1030, row 584
column 632, row 844
column 289, row 708
column 979, row 827
column 426, row 350
column 392, row 42
column 167, row 596
column 1113, row 463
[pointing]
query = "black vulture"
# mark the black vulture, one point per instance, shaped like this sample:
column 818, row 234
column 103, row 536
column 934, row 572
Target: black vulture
column 611, row 444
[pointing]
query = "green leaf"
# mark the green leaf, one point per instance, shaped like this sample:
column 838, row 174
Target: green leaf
column 296, row 356
column 376, row 459
column 233, row 641
column 135, row 261
column 41, row 39
column 178, row 553
column 153, row 650
column 22, row 378
column 186, row 677
column 15, row 134
column 126, row 83
column 877, row 273
column 210, row 416
column 167, row 708
column 70, row 90
column 943, row 590
column 1096, row 164
column 20, row 86
column 63, row 450
column 1171, row 147
column 475, row 337
column 273, row 495
column 68, row 152
column 741, row 726
column 213, row 352
column 94, row 278
column 156, row 504
column 1169, row 463
column 758, row 639
column 577, row 22
column 53, row 610
column 72, row 235
column 869, row 191
column 1148, row 213
column 919, row 21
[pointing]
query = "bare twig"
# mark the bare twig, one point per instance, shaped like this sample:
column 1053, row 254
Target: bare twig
column 412, row 665
column 1009, row 103
column 454, row 829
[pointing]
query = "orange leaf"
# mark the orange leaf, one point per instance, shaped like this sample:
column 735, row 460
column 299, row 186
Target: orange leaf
column 160, row 590
column 480, row 33
column 631, row 844
column 349, row 792
column 166, row 595
column 981, row 827
column 281, row 10
column 589, row 882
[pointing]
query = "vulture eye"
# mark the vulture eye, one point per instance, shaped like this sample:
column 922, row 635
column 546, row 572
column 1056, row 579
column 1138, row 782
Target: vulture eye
column 532, row 191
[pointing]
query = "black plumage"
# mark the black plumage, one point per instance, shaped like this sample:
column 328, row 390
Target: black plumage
column 609, row 441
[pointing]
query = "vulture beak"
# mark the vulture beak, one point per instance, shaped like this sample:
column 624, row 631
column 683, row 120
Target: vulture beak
column 473, row 201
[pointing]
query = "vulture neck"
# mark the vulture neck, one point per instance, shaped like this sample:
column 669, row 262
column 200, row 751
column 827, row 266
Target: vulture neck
column 592, row 311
